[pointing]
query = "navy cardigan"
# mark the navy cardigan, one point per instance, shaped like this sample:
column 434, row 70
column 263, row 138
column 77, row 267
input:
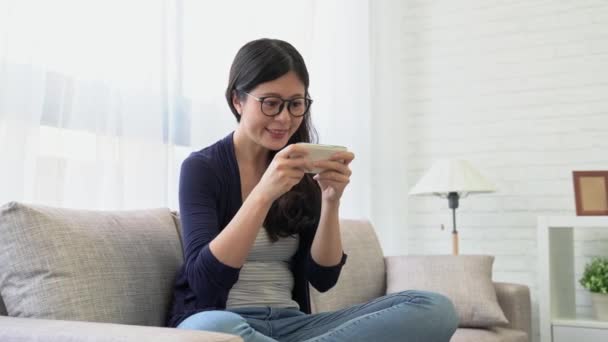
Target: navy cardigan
column 209, row 197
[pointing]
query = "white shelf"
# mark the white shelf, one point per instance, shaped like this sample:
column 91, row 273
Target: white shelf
column 582, row 323
column 557, row 305
column 574, row 221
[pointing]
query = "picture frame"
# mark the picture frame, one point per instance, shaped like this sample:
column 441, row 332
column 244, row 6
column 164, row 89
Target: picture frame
column 591, row 192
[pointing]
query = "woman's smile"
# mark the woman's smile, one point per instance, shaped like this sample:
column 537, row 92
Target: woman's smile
column 277, row 133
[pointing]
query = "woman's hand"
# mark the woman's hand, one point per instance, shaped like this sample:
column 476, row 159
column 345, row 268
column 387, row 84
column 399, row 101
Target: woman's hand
column 335, row 175
column 285, row 171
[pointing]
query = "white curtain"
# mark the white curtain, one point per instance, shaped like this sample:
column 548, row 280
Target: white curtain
column 84, row 114
column 100, row 101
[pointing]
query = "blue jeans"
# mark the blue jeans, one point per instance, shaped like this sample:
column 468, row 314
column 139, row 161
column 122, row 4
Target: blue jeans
column 405, row 316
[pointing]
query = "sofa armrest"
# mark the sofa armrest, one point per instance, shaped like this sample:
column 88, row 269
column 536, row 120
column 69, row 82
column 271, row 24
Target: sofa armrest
column 43, row 330
column 514, row 299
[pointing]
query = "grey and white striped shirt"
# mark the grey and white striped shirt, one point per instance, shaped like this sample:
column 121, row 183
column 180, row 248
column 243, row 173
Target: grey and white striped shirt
column 265, row 278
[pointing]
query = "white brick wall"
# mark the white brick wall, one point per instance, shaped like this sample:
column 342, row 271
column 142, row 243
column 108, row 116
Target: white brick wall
column 519, row 88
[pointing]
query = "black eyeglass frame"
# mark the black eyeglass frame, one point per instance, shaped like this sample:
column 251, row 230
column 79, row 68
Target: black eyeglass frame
column 308, row 101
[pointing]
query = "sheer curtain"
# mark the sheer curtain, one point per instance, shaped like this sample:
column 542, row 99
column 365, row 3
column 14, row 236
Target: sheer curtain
column 100, row 101
column 84, row 115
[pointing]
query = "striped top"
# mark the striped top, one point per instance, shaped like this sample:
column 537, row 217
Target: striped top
column 265, row 278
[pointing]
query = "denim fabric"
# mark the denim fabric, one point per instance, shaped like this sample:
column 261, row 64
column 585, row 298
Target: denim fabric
column 409, row 316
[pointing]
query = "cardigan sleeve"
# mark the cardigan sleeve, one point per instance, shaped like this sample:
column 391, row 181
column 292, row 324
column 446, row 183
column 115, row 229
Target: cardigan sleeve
column 320, row 277
column 199, row 198
column 324, row 278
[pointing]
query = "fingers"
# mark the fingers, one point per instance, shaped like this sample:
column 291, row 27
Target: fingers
column 294, row 156
column 335, row 165
column 302, row 164
column 292, row 168
column 332, row 176
column 338, row 161
column 293, row 151
column 346, row 157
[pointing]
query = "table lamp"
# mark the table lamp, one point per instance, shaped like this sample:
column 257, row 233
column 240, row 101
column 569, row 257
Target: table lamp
column 452, row 179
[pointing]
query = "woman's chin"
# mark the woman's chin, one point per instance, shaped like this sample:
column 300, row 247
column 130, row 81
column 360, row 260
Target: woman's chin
column 276, row 144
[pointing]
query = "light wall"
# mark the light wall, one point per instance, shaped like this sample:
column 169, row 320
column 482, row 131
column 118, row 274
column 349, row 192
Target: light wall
column 519, row 88
column 388, row 126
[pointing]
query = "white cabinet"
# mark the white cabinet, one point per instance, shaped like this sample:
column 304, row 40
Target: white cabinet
column 579, row 330
column 557, row 307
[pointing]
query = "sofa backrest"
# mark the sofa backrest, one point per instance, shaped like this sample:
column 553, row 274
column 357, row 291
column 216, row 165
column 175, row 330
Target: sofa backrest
column 363, row 277
column 101, row 266
column 122, row 235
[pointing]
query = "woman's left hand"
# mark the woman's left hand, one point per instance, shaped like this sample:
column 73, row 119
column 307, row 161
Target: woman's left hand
column 335, row 175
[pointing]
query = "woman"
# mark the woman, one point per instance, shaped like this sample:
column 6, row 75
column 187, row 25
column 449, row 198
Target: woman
column 257, row 228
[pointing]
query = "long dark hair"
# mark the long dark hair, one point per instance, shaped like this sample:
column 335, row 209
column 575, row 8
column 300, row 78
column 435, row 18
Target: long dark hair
column 261, row 61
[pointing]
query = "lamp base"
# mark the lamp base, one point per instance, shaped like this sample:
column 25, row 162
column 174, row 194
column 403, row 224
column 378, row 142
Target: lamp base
column 455, row 243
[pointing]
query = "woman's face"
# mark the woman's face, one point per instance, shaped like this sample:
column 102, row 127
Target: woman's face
column 274, row 132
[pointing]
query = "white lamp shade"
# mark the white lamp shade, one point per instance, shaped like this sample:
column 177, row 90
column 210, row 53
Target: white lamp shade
column 452, row 175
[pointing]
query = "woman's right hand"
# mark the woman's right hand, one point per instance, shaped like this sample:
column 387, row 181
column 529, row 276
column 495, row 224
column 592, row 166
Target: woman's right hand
column 286, row 170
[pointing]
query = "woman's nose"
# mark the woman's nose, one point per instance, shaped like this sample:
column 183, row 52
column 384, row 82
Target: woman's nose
column 283, row 114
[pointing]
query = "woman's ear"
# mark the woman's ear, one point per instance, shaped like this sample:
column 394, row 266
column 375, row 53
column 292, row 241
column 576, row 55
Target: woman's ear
column 236, row 102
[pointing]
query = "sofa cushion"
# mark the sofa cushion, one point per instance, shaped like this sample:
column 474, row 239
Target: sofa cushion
column 15, row 329
column 465, row 279
column 489, row 335
column 103, row 266
column 363, row 277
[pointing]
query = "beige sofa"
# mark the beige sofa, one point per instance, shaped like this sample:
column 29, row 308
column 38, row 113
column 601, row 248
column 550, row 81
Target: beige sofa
column 75, row 275
column 368, row 274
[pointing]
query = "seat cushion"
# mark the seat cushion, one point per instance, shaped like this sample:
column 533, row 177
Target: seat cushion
column 101, row 266
column 465, row 279
column 489, row 335
column 363, row 277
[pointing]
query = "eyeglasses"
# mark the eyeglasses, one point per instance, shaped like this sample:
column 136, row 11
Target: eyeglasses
column 273, row 105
